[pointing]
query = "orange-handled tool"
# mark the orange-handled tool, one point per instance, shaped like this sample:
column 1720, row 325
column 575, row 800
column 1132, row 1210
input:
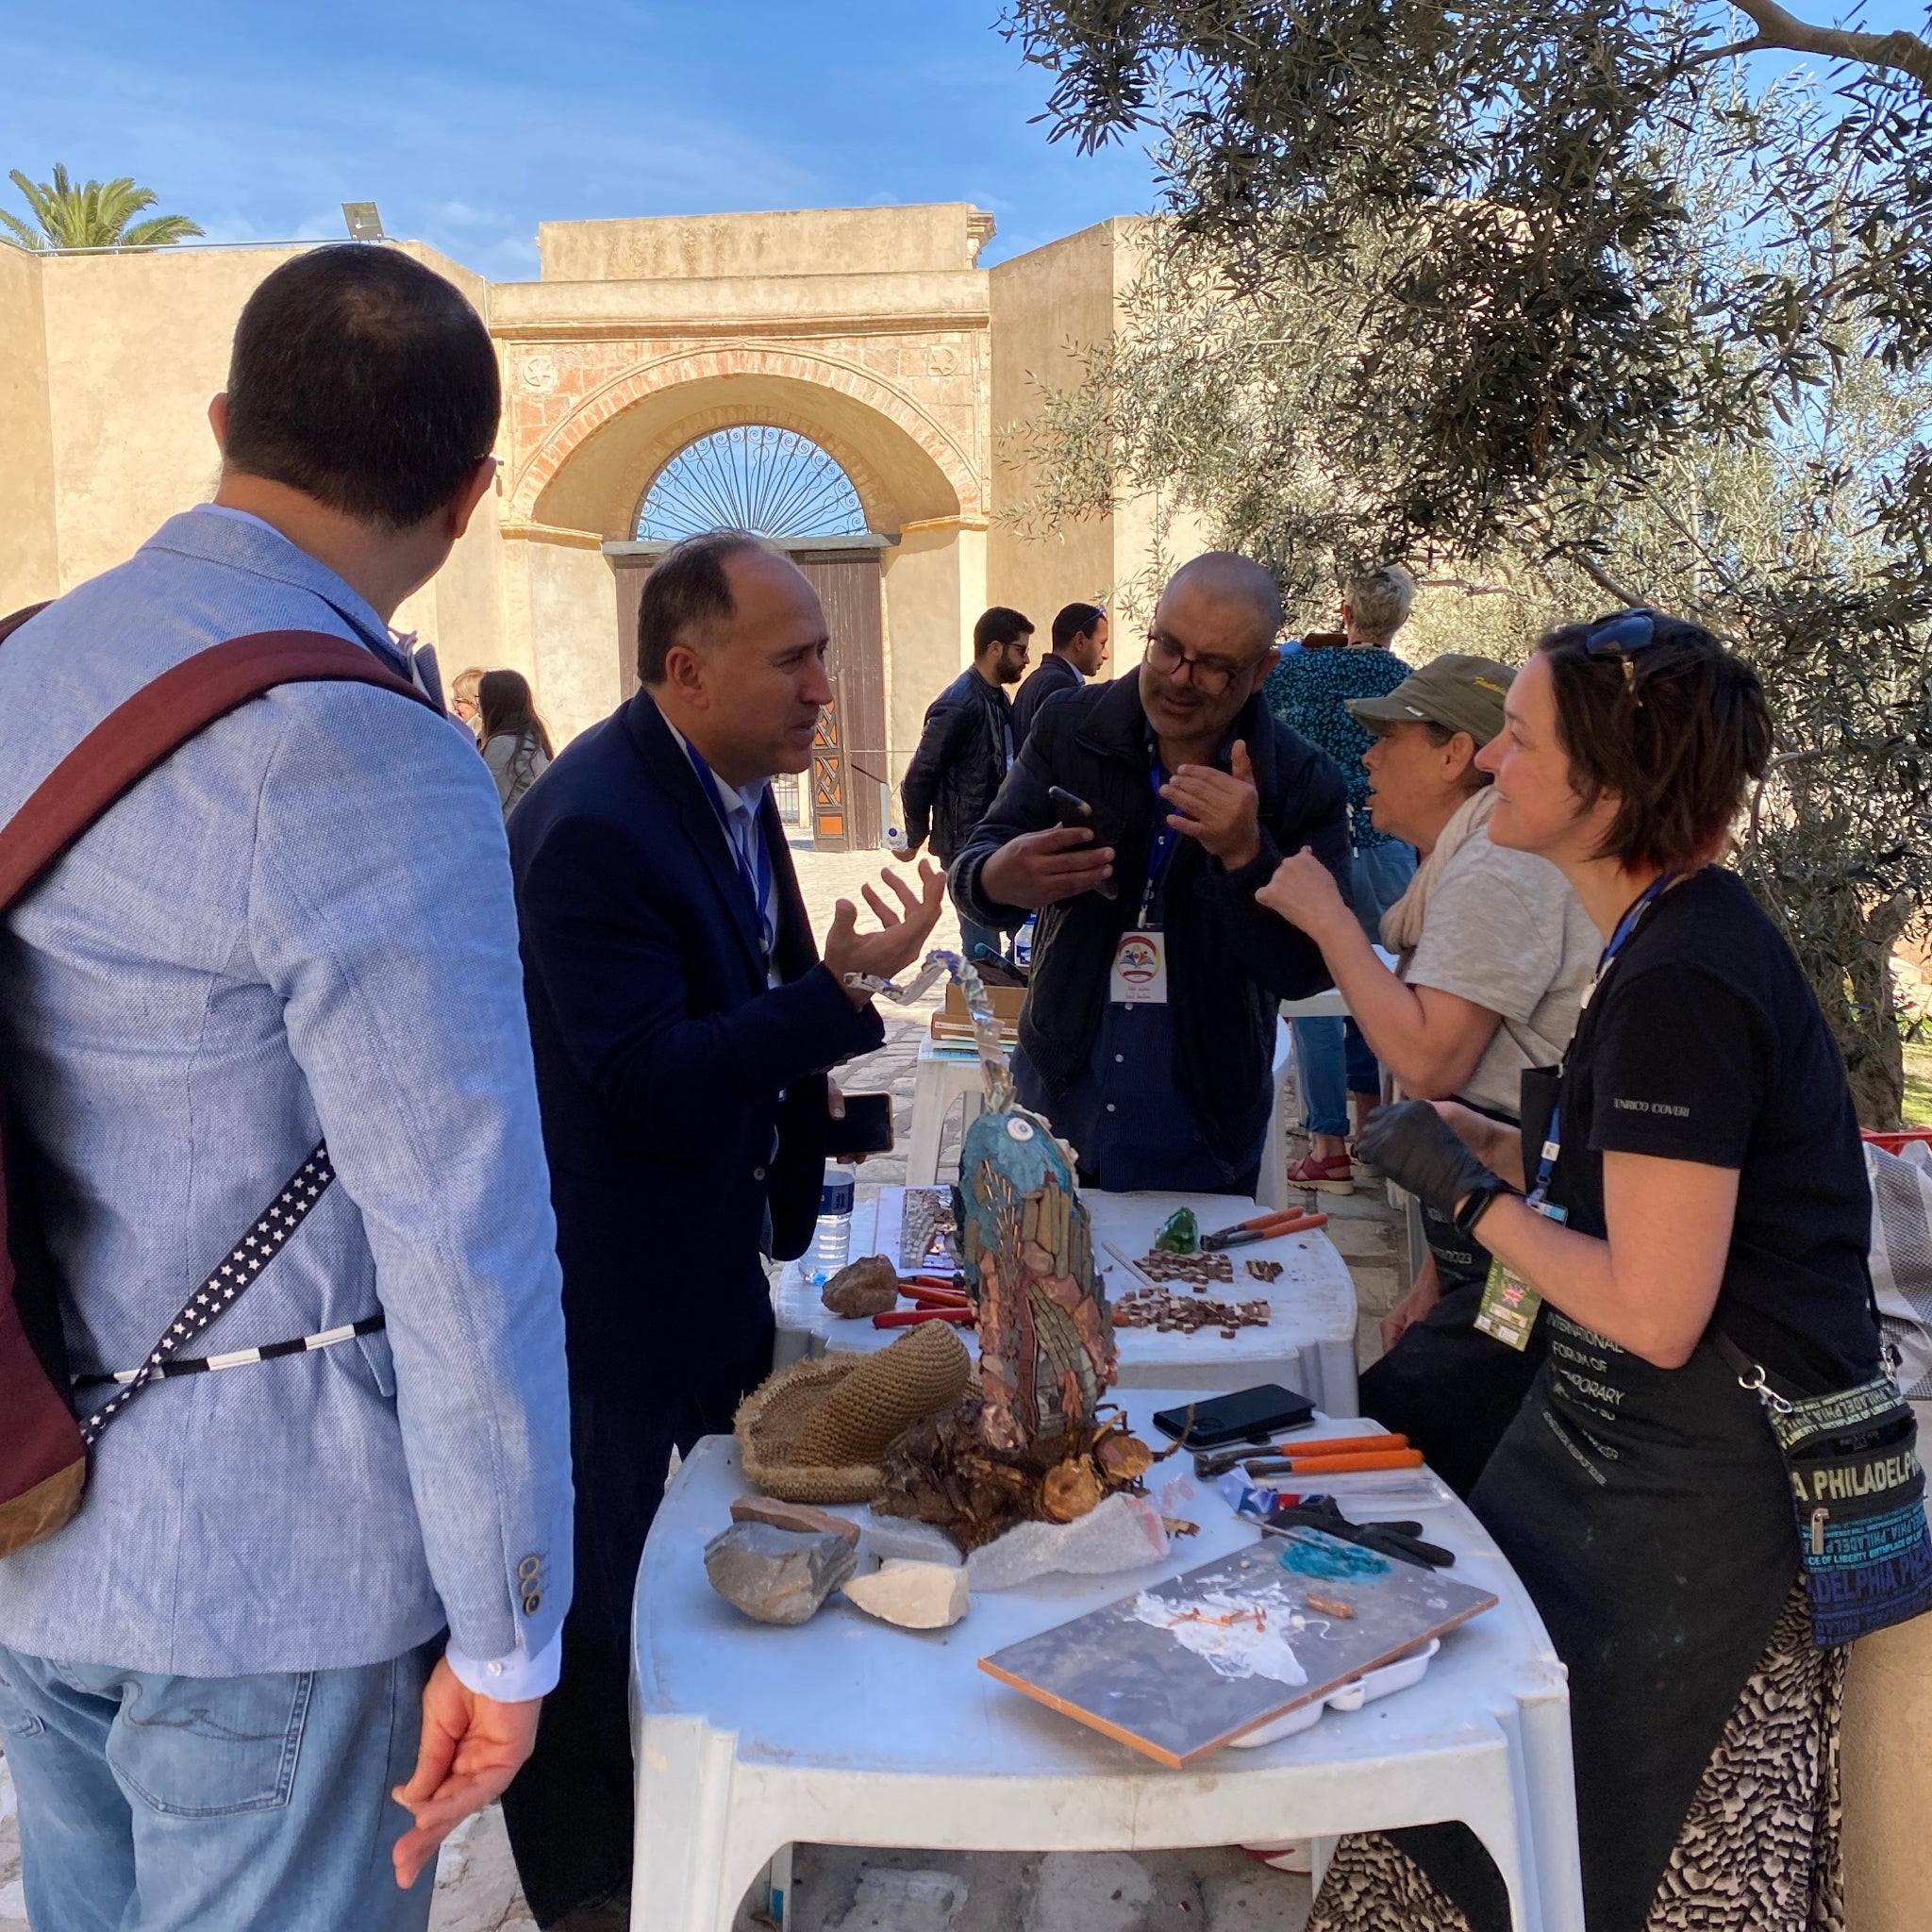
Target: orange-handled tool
column 1311, row 1447
column 1328, row 1465
column 907, row 1318
column 937, row 1297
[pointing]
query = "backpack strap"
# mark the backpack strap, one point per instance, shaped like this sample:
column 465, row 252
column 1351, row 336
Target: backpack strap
column 156, row 721
column 42, row 1458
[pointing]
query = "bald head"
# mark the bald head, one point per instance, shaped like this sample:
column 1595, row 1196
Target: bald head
column 1237, row 584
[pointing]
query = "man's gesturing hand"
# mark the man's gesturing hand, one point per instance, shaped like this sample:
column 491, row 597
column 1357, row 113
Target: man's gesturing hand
column 472, row 1747
column 1219, row 810
column 901, row 936
column 1040, row 868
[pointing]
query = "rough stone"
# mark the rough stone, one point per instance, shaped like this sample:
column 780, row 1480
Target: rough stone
column 1122, row 1534
column 867, row 1287
column 914, row 1595
column 776, row 1575
column 802, row 1519
column 919, row 1542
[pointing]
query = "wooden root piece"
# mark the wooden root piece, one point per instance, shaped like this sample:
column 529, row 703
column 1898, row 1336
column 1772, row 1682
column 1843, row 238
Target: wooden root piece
column 944, row 1472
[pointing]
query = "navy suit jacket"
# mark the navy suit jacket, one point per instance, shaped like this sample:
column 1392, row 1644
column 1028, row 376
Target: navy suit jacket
column 683, row 1097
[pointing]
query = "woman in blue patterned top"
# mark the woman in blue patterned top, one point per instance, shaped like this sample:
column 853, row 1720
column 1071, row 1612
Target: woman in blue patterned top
column 1309, row 691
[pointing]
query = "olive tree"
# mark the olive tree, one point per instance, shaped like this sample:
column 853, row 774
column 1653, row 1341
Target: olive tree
column 1561, row 305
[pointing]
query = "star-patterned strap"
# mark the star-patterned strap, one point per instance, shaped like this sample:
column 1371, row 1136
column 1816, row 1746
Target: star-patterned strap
column 223, row 1287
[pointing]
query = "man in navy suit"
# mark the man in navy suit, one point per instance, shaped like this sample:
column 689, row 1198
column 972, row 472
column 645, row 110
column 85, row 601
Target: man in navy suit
column 683, row 1025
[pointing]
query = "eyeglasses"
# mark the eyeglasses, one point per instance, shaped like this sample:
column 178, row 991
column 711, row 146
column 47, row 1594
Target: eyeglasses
column 1621, row 635
column 1211, row 676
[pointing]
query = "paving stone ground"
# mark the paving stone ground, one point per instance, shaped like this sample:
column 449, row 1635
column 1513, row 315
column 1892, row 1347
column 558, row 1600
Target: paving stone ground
column 848, row 1888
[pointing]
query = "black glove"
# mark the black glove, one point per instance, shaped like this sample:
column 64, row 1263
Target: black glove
column 1419, row 1150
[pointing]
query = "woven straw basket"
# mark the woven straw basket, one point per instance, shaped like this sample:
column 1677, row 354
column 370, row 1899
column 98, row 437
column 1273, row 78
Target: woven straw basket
column 816, row 1431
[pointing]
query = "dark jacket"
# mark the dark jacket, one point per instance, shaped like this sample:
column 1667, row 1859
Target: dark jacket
column 1051, row 676
column 1230, row 961
column 662, row 1058
column 956, row 773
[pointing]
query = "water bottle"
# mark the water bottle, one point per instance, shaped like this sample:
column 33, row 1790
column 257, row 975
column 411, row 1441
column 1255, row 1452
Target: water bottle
column 1023, row 944
column 831, row 1246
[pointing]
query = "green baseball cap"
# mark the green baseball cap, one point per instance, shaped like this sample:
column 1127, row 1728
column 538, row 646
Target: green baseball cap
column 1460, row 692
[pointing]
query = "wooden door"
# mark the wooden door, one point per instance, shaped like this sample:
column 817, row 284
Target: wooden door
column 849, row 758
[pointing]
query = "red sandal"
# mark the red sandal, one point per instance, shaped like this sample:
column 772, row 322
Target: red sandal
column 1334, row 1176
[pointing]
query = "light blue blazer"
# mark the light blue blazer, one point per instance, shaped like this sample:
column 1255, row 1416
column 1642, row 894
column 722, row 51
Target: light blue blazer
column 300, row 925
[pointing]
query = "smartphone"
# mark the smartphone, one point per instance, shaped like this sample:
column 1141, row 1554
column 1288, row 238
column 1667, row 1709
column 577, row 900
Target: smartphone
column 867, row 1128
column 1076, row 814
column 1247, row 1415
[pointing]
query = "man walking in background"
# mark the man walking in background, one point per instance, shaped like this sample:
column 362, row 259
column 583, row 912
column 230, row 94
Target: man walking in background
column 683, row 1024
column 304, row 1580
column 964, row 751
column 1079, row 649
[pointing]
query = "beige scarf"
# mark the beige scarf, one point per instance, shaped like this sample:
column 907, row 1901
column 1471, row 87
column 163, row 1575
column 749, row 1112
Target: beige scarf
column 1402, row 924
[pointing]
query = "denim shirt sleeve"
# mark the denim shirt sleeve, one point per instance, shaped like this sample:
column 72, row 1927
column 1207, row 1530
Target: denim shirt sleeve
column 380, row 911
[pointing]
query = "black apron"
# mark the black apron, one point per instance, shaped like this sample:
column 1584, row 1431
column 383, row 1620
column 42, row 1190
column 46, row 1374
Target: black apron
column 1648, row 1513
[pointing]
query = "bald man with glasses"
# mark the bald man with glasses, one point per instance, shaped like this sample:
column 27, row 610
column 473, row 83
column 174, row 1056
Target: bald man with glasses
column 1148, row 1033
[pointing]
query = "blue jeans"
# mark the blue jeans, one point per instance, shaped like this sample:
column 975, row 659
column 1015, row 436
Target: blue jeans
column 160, row 1804
column 1331, row 1059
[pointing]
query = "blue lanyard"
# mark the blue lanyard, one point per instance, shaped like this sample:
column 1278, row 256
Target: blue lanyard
column 758, row 880
column 1161, row 849
column 1553, row 1142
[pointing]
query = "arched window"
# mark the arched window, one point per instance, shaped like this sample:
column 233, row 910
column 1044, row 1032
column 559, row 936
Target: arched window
column 752, row 477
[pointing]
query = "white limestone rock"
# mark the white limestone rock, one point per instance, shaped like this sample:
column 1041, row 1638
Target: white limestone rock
column 914, row 1595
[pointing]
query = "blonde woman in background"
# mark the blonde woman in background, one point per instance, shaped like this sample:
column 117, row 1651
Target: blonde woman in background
column 516, row 747
column 463, row 698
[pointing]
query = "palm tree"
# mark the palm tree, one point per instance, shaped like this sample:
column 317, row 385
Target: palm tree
column 94, row 214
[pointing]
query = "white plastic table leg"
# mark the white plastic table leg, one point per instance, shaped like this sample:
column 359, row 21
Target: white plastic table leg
column 684, row 1875
column 1271, row 1190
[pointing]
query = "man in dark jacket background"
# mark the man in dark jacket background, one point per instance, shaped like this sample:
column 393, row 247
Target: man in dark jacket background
column 1148, row 1032
column 1079, row 649
column 683, row 1024
column 965, row 749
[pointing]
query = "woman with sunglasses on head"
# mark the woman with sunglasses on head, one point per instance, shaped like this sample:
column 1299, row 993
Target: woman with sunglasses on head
column 1698, row 1198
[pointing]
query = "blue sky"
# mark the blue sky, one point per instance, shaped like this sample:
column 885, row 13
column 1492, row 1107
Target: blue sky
column 470, row 124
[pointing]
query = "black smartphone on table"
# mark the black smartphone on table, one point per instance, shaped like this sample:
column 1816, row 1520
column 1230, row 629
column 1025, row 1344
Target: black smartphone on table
column 867, row 1128
column 1246, row 1415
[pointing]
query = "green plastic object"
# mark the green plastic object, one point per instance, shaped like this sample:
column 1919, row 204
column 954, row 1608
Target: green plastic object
column 1181, row 1233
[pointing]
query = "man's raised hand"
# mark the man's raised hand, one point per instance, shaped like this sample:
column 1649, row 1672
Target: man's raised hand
column 1219, row 810
column 902, row 935
column 1041, row 868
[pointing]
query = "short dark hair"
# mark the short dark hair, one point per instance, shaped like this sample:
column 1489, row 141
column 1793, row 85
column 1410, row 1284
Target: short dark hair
column 999, row 626
column 1074, row 621
column 688, row 589
column 364, row 380
column 1679, row 737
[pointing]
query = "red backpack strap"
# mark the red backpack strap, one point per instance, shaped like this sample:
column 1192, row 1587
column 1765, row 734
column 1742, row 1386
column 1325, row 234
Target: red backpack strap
column 11, row 623
column 157, row 720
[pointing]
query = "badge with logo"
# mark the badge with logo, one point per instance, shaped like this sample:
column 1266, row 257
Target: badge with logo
column 1140, row 969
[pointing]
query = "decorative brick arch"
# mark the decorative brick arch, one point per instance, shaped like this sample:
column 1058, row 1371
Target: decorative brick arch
column 789, row 364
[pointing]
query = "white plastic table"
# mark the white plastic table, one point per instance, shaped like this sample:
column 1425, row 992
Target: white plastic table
column 847, row 1731
column 1309, row 1344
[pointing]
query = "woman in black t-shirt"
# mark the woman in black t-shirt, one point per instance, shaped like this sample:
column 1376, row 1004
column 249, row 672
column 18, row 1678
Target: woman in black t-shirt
column 1709, row 1176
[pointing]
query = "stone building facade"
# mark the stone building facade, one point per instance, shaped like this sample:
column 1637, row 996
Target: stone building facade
column 872, row 333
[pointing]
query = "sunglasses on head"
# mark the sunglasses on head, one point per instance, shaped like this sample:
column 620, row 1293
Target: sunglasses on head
column 1621, row 635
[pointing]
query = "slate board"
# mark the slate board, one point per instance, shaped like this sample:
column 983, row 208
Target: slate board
column 1134, row 1680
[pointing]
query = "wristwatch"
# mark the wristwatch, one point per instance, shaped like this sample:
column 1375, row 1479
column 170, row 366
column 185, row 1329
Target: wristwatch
column 1476, row 1204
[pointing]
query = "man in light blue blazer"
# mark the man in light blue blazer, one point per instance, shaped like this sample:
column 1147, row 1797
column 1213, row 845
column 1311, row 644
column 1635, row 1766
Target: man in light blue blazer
column 300, row 1584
